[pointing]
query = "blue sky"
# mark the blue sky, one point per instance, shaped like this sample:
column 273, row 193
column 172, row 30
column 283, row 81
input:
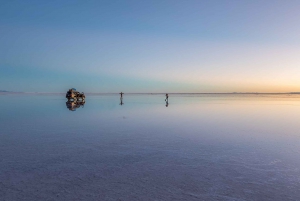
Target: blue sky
column 150, row 46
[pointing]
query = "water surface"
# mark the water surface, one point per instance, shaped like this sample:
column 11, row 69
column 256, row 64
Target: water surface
column 200, row 147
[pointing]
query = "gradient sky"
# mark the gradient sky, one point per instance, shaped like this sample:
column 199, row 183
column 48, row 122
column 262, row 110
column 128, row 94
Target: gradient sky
column 150, row 46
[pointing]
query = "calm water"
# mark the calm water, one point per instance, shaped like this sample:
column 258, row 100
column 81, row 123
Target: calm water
column 200, row 147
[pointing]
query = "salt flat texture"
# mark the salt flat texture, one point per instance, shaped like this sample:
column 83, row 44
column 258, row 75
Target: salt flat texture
column 206, row 147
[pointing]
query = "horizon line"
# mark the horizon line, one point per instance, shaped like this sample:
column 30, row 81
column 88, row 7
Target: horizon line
column 270, row 93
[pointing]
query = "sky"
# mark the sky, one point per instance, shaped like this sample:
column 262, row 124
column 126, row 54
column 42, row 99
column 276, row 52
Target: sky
column 186, row 46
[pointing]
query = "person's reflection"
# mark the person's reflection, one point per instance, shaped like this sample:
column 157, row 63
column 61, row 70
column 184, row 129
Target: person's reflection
column 73, row 105
column 167, row 100
column 167, row 103
column 121, row 98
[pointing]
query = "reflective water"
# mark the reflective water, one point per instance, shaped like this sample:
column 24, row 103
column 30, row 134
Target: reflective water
column 199, row 147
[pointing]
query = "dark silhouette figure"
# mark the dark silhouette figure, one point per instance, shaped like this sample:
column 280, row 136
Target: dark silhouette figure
column 167, row 100
column 121, row 98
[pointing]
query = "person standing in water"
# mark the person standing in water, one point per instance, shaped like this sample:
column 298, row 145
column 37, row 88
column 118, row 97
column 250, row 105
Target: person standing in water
column 121, row 98
column 167, row 97
column 167, row 100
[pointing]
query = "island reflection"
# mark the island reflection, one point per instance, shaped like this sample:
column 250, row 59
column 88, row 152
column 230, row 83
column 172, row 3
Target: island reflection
column 73, row 105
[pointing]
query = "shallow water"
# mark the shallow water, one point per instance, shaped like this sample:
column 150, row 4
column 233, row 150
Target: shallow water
column 200, row 147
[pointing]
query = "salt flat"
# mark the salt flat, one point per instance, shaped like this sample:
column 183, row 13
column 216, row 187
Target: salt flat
column 200, row 147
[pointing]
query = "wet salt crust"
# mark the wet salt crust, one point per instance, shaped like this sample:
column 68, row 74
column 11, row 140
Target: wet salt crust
column 200, row 147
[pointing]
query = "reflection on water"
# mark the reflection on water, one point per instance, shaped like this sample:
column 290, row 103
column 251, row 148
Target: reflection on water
column 73, row 105
column 204, row 147
column 167, row 100
column 121, row 99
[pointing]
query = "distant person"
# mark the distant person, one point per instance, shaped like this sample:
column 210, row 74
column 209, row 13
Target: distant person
column 121, row 98
column 167, row 97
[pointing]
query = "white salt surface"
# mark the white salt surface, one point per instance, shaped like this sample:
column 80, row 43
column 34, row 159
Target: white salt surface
column 204, row 147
